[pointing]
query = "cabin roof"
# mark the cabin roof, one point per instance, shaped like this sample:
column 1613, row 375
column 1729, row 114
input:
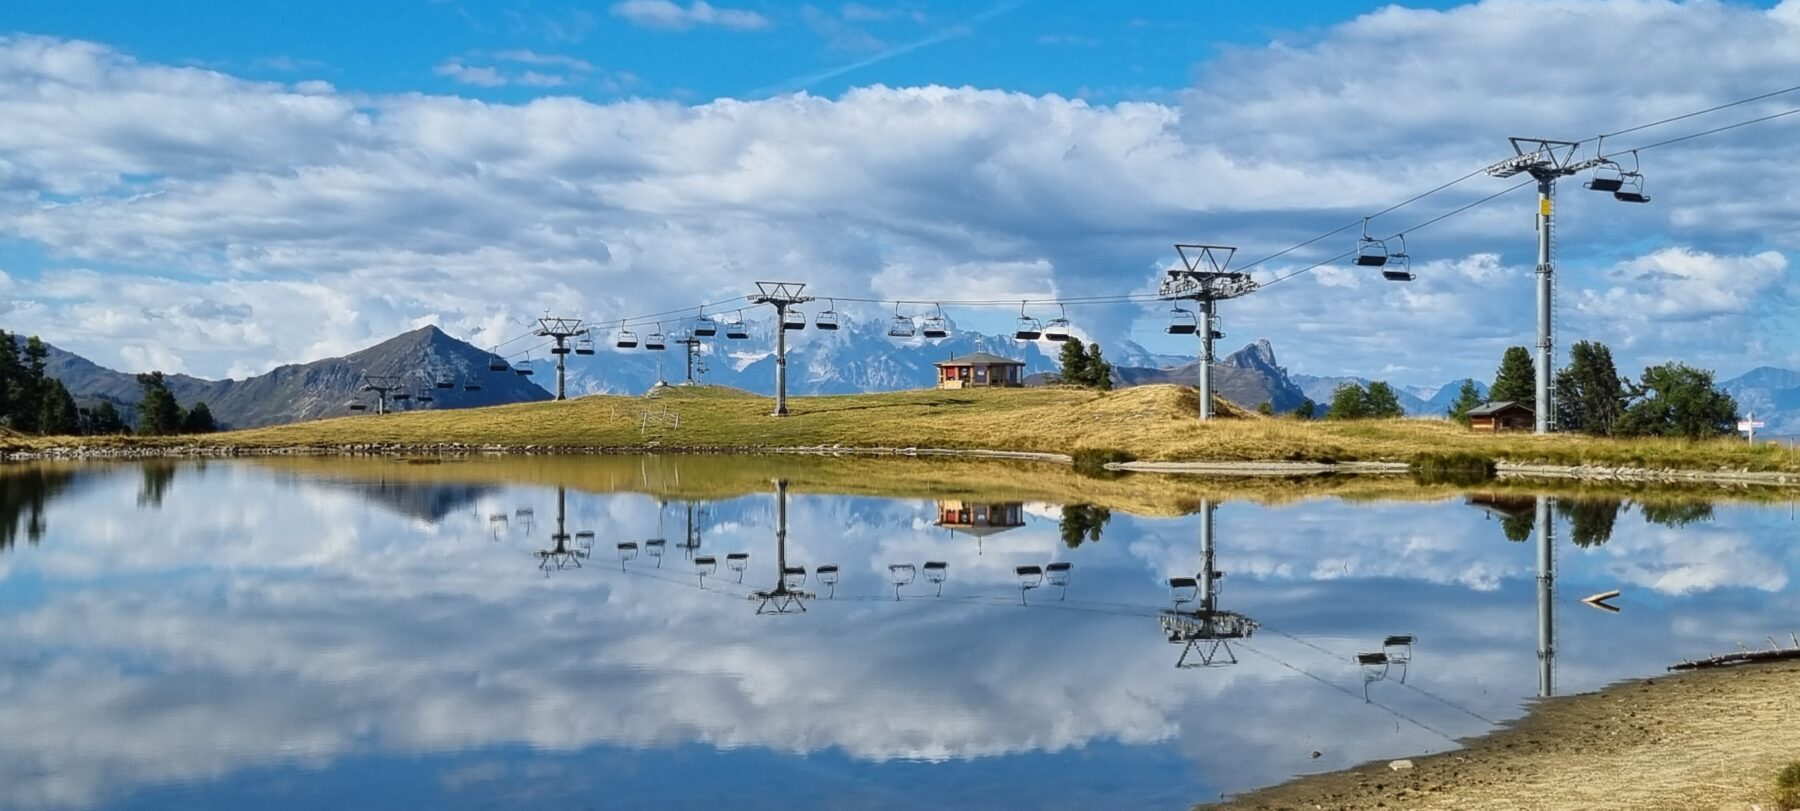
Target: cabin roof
column 1494, row 409
column 980, row 359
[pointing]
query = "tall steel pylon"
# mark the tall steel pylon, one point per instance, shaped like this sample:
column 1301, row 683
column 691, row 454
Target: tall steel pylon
column 560, row 330
column 1545, row 160
column 691, row 347
column 782, row 295
column 1204, row 279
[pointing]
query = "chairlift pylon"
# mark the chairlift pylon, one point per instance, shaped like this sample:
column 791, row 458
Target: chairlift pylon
column 1029, row 329
column 1058, row 328
column 1370, row 252
column 936, row 325
column 827, row 319
column 1182, row 321
column 901, row 326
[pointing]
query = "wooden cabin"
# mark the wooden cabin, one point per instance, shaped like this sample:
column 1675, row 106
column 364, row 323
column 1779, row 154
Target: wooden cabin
column 980, row 370
column 1505, row 415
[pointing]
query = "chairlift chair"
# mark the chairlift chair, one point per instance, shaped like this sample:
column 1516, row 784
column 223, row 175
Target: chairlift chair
column 738, row 562
column 655, row 340
column 626, row 339
column 400, row 396
column 627, row 552
column 1370, row 252
column 1057, row 574
column 1608, row 177
column 827, row 319
column 424, row 397
column 497, row 364
column 793, row 577
column 559, row 349
column 1633, row 189
column 936, row 571
column 705, row 327
column 446, row 383
column 1029, row 329
column 1399, row 268
column 735, row 329
column 1184, row 589
column 357, row 407
column 524, row 368
column 936, row 325
column 900, row 574
column 1058, row 328
column 1030, row 577
column 901, row 326
column 584, row 345
column 793, row 319
column 471, row 387
column 705, row 565
column 828, row 577
column 1182, row 321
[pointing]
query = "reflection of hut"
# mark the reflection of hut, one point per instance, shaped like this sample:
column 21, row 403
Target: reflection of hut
column 1505, row 415
column 1502, row 507
column 980, row 519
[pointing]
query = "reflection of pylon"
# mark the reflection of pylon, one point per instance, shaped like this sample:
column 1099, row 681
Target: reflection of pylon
column 561, row 555
column 1205, row 632
column 784, row 597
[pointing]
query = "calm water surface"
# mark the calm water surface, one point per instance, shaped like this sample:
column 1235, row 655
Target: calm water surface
column 235, row 635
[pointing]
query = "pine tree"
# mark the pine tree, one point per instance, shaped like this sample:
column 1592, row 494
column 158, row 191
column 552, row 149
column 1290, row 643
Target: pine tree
column 9, row 373
column 1348, row 403
column 1307, row 409
column 199, row 420
column 1467, row 397
column 1265, row 408
column 158, row 413
column 57, row 415
column 104, row 420
column 1074, row 360
column 1675, row 399
column 1516, row 379
column 1590, row 396
column 1380, row 401
column 28, row 387
column 1099, row 372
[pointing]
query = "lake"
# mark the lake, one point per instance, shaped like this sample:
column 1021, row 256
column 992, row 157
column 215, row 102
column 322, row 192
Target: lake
column 372, row 633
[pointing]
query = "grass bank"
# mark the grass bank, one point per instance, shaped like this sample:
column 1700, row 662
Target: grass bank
column 1151, row 423
column 1711, row 739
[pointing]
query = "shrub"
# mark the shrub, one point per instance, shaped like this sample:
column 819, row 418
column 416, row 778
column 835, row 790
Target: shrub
column 1787, row 786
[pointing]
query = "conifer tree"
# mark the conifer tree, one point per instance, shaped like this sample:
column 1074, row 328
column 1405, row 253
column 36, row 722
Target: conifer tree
column 1516, row 379
column 1467, row 398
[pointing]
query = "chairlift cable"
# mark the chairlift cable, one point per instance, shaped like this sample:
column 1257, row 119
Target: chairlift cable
column 1714, row 109
column 1714, row 131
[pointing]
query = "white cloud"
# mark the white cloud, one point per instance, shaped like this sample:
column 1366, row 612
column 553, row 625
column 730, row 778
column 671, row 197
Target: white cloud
column 200, row 185
column 672, row 15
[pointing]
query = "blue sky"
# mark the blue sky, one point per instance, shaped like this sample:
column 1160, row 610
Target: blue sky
column 221, row 188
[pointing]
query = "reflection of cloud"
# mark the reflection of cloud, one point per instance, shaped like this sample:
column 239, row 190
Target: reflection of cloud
column 1671, row 561
column 303, row 627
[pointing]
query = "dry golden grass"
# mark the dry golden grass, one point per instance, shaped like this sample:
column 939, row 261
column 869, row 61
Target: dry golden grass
column 1150, row 422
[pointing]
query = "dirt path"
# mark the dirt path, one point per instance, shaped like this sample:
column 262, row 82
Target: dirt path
column 1710, row 739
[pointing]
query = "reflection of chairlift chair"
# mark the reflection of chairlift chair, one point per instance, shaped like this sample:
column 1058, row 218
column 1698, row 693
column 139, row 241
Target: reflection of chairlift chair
column 1374, row 668
column 936, row 571
column 527, row 517
column 654, row 548
column 1184, row 589
column 1030, row 577
column 1057, row 574
column 627, row 553
column 793, row 577
column 584, row 540
column 828, row 577
column 900, row 574
column 738, row 562
column 1398, row 648
column 705, row 565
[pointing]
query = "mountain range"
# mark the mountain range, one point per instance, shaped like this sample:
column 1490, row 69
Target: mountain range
column 858, row 357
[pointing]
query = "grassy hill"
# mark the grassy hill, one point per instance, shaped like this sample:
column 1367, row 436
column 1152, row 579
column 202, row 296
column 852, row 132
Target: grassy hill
column 1149, row 422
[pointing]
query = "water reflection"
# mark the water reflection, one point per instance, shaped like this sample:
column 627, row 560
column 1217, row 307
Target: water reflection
column 23, row 494
column 1205, row 632
column 269, row 629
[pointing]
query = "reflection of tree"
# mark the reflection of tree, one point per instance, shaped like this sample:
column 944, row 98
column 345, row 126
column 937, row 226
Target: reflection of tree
column 1590, row 519
column 157, row 477
column 1676, row 513
column 1083, row 523
column 1515, row 513
column 23, row 495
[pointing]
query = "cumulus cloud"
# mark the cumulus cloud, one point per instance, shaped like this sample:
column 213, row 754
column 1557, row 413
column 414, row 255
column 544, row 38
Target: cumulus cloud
column 205, row 185
column 672, row 15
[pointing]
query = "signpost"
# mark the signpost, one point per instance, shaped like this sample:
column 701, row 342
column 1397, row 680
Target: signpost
column 1748, row 425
